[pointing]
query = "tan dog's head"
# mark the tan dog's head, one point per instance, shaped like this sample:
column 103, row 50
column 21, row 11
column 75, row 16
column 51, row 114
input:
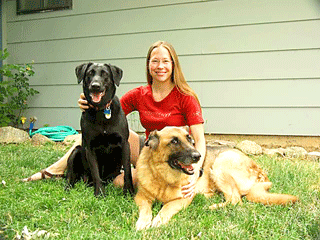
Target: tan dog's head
column 175, row 146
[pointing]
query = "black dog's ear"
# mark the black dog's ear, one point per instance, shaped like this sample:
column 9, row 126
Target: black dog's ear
column 81, row 70
column 153, row 140
column 116, row 74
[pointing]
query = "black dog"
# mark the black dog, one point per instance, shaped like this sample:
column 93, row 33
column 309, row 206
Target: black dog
column 105, row 147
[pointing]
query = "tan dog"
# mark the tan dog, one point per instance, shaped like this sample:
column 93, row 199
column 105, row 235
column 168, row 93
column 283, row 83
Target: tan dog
column 165, row 165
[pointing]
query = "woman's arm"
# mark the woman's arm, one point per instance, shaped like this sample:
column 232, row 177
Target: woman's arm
column 197, row 132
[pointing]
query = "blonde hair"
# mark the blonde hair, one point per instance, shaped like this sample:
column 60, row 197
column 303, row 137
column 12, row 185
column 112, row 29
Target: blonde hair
column 177, row 75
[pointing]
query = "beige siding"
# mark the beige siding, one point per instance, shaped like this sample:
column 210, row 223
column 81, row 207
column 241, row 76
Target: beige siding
column 254, row 64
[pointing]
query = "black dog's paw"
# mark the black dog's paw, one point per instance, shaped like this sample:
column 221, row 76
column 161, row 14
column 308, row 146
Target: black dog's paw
column 100, row 192
column 68, row 187
column 128, row 190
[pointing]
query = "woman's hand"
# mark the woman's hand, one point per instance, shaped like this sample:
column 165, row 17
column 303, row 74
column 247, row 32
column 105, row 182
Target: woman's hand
column 188, row 190
column 83, row 103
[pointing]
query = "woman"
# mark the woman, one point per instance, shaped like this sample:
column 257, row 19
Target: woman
column 167, row 100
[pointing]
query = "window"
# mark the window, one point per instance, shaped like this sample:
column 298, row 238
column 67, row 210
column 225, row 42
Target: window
column 36, row 6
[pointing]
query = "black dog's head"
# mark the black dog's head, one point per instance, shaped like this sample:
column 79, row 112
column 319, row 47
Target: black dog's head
column 99, row 82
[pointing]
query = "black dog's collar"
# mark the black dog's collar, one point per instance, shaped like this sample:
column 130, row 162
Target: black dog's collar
column 109, row 104
column 107, row 110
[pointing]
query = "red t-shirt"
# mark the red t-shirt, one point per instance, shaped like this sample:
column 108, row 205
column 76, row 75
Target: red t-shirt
column 177, row 109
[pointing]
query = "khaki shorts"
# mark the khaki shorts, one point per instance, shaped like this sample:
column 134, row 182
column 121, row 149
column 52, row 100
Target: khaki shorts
column 142, row 139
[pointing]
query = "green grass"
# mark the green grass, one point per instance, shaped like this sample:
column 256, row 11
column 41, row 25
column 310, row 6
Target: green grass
column 77, row 214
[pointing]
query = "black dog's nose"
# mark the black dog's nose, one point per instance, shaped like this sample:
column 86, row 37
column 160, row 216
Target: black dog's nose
column 195, row 156
column 95, row 86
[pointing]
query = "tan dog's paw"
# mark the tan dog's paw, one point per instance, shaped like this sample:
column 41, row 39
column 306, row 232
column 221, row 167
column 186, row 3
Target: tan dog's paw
column 143, row 223
column 157, row 221
column 216, row 206
column 160, row 220
column 213, row 207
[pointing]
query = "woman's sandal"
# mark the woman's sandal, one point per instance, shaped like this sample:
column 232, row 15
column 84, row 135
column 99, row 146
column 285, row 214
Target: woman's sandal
column 44, row 175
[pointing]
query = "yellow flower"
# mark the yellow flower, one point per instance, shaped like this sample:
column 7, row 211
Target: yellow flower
column 23, row 119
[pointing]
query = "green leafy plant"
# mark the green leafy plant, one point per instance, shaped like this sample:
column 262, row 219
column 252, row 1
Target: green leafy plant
column 14, row 91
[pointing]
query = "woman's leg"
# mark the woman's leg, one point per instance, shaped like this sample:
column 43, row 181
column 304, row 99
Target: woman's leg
column 57, row 169
column 134, row 142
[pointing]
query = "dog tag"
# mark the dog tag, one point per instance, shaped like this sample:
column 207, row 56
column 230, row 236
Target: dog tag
column 107, row 113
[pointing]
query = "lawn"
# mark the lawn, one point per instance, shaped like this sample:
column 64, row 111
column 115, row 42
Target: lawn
column 77, row 214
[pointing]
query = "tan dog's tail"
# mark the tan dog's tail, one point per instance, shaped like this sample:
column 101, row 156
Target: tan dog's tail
column 259, row 193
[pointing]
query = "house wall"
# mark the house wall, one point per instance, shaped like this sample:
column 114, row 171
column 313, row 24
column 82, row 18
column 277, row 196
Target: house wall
column 254, row 64
column 0, row 25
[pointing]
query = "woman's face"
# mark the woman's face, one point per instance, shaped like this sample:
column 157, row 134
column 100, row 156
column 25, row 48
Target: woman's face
column 160, row 65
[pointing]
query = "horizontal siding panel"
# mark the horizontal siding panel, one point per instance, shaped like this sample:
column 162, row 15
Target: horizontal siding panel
column 258, row 65
column 257, row 93
column 56, row 96
column 65, row 96
column 197, row 15
column 54, row 74
column 265, row 37
column 263, row 121
column 56, row 117
column 64, row 73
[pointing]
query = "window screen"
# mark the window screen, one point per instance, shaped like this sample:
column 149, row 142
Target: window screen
column 35, row 6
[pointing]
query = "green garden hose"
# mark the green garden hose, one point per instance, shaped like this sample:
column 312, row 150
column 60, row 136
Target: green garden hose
column 57, row 133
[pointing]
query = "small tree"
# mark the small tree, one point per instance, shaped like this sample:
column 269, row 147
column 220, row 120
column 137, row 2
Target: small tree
column 14, row 91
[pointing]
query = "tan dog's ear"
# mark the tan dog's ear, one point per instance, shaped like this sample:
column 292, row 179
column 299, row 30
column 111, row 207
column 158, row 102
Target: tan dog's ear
column 187, row 128
column 153, row 140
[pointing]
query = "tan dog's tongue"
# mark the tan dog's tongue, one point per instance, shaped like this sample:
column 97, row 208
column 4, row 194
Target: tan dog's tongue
column 190, row 168
column 96, row 97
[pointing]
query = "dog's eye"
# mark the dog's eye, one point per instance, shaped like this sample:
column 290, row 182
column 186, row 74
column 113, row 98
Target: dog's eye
column 175, row 140
column 104, row 73
column 90, row 73
column 190, row 139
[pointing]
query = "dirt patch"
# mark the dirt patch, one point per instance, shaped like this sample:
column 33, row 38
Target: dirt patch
column 309, row 143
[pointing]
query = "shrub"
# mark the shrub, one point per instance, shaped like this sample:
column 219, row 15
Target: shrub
column 14, row 91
